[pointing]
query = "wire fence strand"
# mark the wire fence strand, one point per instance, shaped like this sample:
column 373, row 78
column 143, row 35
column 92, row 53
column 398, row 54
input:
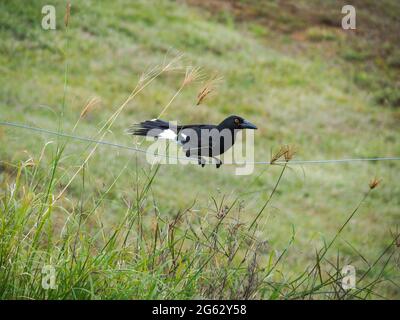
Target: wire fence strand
column 136, row 149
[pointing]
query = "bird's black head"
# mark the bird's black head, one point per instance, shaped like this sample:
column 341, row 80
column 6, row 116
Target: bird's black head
column 236, row 122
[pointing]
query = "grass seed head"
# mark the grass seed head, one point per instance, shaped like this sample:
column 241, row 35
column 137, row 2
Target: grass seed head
column 374, row 183
column 285, row 151
column 67, row 14
column 191, row 74
column 290, row 152
column 223, row 212
column 208, row 88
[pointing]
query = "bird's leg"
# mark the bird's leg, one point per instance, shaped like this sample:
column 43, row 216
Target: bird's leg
column 219, row 162
column 202, row 161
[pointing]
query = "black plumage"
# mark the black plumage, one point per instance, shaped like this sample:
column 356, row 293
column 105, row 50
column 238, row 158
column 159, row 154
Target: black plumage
column 197, row 140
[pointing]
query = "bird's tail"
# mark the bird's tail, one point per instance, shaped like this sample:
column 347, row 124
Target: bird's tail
column 153, row 128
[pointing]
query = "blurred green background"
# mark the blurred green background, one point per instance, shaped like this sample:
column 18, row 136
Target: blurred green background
column 287, row 66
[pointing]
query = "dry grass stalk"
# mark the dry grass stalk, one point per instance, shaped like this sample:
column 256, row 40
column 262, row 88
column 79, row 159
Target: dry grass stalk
column 286, row 151
column 396, row 238
column 67, row 14
column 143, row 82
column 192, row 74
column 106, row 127
column 90, row 105
column 86, row 109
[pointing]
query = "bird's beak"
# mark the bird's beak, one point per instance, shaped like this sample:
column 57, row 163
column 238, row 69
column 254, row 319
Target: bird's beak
column 248, row 125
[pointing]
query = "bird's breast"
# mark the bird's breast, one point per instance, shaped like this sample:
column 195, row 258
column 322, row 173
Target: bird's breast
column 206, row 142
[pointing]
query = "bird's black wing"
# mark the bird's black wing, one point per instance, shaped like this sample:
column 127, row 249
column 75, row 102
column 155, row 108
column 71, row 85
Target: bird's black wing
column 149, row 128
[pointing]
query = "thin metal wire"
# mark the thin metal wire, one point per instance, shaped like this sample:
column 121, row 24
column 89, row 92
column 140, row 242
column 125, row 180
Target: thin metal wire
column 136, row 149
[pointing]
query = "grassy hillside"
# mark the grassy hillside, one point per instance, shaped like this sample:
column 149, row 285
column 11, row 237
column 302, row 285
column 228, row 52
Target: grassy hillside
column 326, row 92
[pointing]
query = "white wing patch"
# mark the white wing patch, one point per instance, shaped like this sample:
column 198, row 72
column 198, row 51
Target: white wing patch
column 168, row 134
column 181, row 139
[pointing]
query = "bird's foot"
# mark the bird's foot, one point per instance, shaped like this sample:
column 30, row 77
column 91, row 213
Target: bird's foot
column 218, row 162
column 202, row 162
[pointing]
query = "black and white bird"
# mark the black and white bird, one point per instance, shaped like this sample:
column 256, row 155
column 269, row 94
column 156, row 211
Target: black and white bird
column 197, row 140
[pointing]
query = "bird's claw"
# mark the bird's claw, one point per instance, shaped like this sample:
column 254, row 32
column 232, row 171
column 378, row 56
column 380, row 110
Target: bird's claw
column 218, row 162
column 202, row 162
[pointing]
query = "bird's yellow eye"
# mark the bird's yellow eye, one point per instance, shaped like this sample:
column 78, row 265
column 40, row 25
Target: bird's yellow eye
column 237, row 121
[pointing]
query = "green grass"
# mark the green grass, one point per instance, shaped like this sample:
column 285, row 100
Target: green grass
column 117, row 233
